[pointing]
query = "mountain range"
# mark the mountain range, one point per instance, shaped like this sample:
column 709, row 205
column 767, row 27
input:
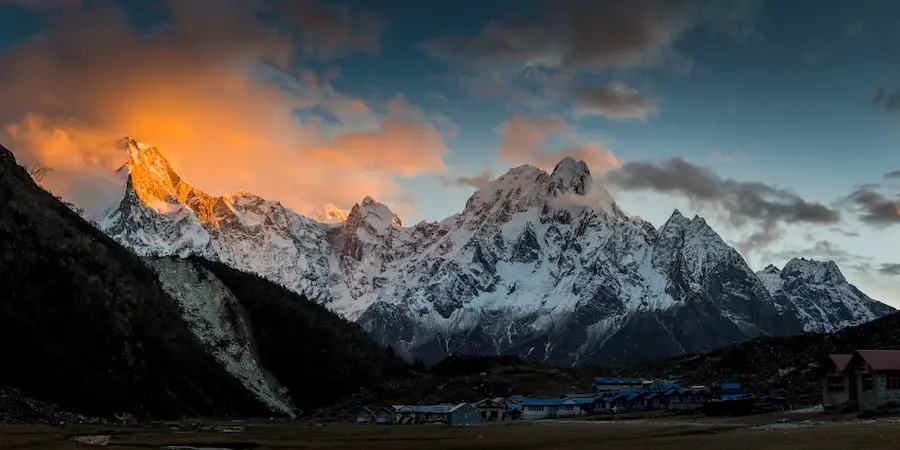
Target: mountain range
column 541, row 265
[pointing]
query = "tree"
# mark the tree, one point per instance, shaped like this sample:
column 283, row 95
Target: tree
column 37, row 172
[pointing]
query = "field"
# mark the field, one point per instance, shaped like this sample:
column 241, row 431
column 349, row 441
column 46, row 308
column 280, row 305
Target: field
column 793, row 431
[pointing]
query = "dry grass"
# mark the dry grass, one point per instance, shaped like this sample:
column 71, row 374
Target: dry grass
column 656, row 434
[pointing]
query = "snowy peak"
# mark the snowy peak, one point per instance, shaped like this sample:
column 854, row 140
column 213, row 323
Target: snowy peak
column 818, row 272
column 572, row 175
column 329, row 213
column 151, row 176
column 373, row 215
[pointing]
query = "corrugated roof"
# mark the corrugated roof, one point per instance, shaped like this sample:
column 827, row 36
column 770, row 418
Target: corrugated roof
column 583, row 400
column 541, row 401
column 881, row 359
column 840, row 360
column 728, row 386
column 616, row 380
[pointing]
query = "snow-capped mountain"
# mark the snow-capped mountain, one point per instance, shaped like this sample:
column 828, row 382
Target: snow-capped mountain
column 819, row 295
column 539, row 264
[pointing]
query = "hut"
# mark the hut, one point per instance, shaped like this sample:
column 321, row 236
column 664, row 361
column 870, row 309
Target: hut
column 463, row 415
column 365, row 416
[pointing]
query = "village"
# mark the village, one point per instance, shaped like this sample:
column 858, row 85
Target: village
column 865, row 380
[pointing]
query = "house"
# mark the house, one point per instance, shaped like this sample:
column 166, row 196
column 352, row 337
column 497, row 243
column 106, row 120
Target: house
column 568, row 407
column 491, row 409
column 463, row 415
column 877, row 378
column 365, row 416
column 836, row 385
column 384, row 416
column 539, row 408
column 719, row 390
column 603, row 384
column 414, row 414
column 585, row 404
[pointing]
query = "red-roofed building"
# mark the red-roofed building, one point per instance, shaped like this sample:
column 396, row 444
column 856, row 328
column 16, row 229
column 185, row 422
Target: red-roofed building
column 871, row 379
column 838, row 388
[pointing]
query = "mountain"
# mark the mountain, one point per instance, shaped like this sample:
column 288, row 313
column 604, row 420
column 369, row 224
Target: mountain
column 819, row 295
column 542, row 265
column 89, row 325
column 85, row 324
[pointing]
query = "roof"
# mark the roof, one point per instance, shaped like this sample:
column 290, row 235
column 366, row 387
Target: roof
column 541, row 401
column 489, row 403
column 728, row 386
column 432, row 409
column 460, row 406
column 583, row 400
column 840, row 360
column 609, row 380
column 880, row 360
column 516, row 398
column 663, row 386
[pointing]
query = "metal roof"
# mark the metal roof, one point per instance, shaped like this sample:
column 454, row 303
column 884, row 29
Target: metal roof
column 840, row 360
column 542, row 401
column 728, row 386
column 881, row 359
column 612, row 380
column 583, row 400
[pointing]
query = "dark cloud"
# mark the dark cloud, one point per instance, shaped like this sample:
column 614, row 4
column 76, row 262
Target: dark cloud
column 478, row 181
column 575, row 35
column 742, row 202
column 614, row 100
column 889, row 100
column 873, row 207
column 891, row 270
column 894, row 174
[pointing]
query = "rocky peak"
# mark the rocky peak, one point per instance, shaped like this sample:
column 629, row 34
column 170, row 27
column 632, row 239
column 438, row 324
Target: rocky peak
column 329, row 213
column 151, row 176
column 675, row 225
column 572, row 175
column 819, row 272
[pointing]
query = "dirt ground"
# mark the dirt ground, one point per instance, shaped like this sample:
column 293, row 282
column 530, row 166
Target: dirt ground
column 768, row 432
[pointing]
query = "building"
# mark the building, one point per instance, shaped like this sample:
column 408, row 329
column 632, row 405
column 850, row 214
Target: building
column 539, row 408
column 492, row 409
column 384, row 416
column 568, row 407
column 876, row 378
column 720, row 390
column 365, row 416
column 463, row 415
column 603, row 384
column 414, row 414
column 836, row 385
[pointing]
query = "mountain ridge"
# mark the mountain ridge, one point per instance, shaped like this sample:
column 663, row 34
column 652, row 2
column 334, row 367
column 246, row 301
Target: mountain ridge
column 544, row 265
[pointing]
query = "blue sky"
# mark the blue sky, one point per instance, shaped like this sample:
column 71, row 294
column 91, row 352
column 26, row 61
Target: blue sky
column 766, row 98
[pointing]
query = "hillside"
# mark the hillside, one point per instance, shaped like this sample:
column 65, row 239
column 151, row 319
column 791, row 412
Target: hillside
column 83, row 323
column 318, row 356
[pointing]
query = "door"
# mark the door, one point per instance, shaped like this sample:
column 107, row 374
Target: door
column 853, row 388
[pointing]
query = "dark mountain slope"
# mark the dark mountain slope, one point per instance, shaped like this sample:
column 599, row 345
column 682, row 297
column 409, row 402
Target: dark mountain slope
column 788, row 365
column 85, row 324
column 317, row 355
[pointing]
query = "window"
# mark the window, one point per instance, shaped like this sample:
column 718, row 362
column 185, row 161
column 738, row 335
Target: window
column 867, row 383
column 535, row 408
column 835, row 384
column 569, row 407
column 893, row 382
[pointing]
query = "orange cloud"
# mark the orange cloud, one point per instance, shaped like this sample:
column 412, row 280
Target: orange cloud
column 201, row 94
column 525, row 139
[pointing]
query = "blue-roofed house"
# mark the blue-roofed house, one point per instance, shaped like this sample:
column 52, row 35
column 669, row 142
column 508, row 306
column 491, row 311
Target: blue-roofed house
column 719, row 390
column 604, row 384
column 569, row 407
column 540, row 408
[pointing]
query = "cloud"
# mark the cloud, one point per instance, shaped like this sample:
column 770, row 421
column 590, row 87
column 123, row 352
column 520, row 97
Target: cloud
column 525, row 139
column 873, row 207
column 741, row 202
column 822, row 250
column 893, row 174
column 889, row 269
column 221, row 94
column 614, row 100
column 41, row 4
column 593, row 36
column 476, row 181
column 889, row 100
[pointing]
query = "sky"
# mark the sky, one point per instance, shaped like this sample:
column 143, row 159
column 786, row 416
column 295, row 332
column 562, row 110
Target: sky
column 776, row 121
